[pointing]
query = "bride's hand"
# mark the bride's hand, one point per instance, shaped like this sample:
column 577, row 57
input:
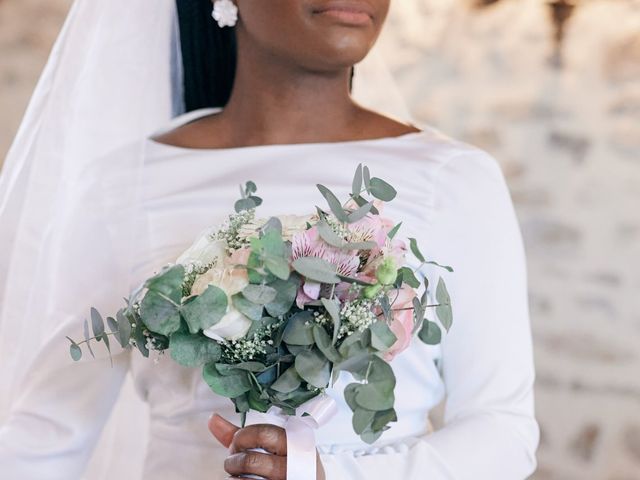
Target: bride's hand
column 242, row 461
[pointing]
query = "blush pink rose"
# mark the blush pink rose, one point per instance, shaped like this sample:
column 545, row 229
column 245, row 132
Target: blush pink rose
column 402, row 324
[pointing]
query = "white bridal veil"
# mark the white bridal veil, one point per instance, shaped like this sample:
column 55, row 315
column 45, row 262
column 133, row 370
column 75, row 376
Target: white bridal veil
column 112, row 79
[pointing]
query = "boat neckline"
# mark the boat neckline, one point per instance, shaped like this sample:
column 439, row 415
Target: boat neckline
column 268, row 146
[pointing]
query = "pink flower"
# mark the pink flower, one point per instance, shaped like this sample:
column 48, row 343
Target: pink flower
column 402, row 324
column 308, row 243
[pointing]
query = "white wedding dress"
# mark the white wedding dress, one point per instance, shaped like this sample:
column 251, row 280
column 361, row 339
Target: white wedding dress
column 452, row 197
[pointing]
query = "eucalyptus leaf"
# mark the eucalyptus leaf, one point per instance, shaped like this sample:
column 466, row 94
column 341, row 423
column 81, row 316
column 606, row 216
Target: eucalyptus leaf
column 313, row 367
column 333, row 309
column 382, row 338
column 334, row 203
column 413, row 244
column 324, row 343
column 257, row 201
column 250, row 187
column 357, row 281
column 356, row 185
column 360, row 213
column 97, row 324
column 288, row 382
column 124, row 329
column 366, row 175
column 382, row 190
column 446, row 267
column 255, row 367
column 141, row 340
column 386, row 308
column 286, row 291
column 230, row 386
column 362, row 418
column 350, row 392
column 409, row 277
column 430, row 333
column 328, row 235
column 246, row 307
column 271, row 243
column 360, row 201
column 244, row 204
column 113, row 324
column 75, row 351
column 299, row 329
column 193, row 350
column 376, row 396
column 316, row 269
column 369, row 436
column 392, row 233
column 159, row 314
column 383, row 418
column 278, row 266
column 260, row 294
column 87, row 337
column 206, row 309
column 168, row 282
column 443, row 310
column 418, row 310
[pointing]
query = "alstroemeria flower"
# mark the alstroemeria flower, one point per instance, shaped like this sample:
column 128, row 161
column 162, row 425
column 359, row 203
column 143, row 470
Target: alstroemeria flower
column 308, row 243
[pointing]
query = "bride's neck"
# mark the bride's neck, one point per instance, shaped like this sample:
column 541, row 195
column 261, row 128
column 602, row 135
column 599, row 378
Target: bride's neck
column 270, row 96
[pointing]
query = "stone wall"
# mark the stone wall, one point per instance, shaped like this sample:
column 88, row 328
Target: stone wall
column 565, row 125
column 564, row 122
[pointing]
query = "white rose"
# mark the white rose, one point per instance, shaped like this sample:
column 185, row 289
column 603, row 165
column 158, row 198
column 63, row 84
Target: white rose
column 204, row 251
column 234, row 324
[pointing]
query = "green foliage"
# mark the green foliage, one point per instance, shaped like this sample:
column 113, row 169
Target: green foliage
column 430, row 333
column 248, row 200
column 299, row 329
column 413, row 244
column 334, row 203
column 313, row 367
column 382, row 190
column 443, row 310
column 193, row 350
column 231, row 384
column 316, row 269
column 205, row 310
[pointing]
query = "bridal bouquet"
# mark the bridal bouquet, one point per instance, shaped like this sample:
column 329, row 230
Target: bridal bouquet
column 274, row 309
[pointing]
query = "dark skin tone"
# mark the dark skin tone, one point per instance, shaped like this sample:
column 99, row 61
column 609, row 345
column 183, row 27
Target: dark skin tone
column 293, row 70
column 291, row 86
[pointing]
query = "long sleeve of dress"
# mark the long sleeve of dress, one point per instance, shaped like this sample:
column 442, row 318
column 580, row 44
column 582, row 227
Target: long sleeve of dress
column 487, row 365
column 57, row 418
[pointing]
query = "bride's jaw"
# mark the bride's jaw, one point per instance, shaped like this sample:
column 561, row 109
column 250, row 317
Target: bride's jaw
column 319, row 35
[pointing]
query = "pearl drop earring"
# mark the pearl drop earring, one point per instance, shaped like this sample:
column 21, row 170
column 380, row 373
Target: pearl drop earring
column 225, row 12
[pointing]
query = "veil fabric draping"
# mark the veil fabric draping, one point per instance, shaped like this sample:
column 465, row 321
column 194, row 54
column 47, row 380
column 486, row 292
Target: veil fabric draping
column 113, row 78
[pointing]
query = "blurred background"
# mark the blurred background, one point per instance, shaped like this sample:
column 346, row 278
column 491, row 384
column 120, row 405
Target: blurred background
column 551, row 88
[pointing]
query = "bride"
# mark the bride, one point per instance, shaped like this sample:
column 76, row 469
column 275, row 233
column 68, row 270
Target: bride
column 146, row 119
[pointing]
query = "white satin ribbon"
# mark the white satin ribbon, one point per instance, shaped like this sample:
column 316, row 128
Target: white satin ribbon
column 300, row 429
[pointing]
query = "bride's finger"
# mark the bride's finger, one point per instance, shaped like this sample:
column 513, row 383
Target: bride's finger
column 222, row 429
column 268, row 437
column 265, row 465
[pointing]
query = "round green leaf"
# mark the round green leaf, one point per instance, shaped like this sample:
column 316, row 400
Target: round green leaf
column 430, row 333
column 260, row 294
column 193, row 350
column 75, row 351
column 299, row 329
column 313, row 367
column 159, row 314
column 206, row 309
column 230, row 386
